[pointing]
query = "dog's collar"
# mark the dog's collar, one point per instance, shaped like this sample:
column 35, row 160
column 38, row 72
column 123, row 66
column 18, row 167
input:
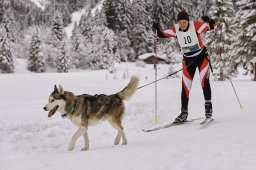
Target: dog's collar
column 64, row 115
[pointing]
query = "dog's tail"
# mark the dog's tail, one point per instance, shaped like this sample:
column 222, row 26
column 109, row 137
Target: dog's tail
column 130, row 89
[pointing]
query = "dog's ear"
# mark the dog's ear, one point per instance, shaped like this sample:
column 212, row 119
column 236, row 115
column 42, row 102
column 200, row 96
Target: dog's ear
column 55, row 88
column 60, row 89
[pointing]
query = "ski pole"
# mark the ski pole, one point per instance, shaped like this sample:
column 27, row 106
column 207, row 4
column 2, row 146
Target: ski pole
column 241, row 106
column 155, row 66
column 166, row 76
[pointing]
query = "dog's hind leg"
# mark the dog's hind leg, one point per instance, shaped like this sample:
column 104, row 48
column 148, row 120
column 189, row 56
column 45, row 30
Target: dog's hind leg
column 118, row 126
column 81, row 131
column 86, row 142
column 124, row 139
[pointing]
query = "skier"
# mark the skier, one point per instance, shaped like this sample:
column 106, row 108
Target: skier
column 194, row 56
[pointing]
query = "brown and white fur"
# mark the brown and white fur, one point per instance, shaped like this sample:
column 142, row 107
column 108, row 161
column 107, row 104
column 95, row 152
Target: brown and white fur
column 85, row 110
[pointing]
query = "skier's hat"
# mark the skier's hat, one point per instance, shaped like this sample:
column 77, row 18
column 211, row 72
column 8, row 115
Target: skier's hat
column 183, row 15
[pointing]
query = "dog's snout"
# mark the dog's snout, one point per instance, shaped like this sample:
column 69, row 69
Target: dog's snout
column 45, row 108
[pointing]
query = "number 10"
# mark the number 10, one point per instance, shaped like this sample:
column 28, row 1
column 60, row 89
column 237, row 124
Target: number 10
column 187, row 40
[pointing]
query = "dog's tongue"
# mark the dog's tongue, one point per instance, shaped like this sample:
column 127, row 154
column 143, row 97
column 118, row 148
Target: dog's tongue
column 51, row 112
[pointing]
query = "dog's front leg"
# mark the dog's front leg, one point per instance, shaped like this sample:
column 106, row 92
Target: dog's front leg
column 81, row 131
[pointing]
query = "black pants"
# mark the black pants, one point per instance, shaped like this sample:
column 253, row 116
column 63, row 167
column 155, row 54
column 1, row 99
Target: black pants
column 201, row 62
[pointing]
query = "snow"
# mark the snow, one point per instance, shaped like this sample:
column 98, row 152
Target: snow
column 31, row 140
column 75, row 18
column 253, row 60
column 20, row 65
column 40, row 3
column 146, row 55
column 98, row 7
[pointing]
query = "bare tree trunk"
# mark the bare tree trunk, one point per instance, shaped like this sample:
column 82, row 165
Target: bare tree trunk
column 255, row 71
column 221, row 75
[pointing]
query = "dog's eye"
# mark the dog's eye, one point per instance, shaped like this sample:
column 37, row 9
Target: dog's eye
column 52, row 100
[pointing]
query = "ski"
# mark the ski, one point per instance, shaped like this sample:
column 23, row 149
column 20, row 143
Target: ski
column 206, row 121
column 170, row 125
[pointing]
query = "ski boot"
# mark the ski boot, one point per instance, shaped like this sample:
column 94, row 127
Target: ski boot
column 208, row 109
column 182, row 117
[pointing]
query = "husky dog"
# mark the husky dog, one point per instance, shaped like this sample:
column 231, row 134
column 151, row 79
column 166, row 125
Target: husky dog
column 85, row 110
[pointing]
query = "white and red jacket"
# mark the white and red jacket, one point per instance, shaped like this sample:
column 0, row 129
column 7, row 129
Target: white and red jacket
column 195, row 28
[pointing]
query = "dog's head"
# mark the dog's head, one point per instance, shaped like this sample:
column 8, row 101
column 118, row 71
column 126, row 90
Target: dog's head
column 56, row 101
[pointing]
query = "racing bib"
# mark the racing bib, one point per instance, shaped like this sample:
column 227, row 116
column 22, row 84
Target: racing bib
column 188, row 40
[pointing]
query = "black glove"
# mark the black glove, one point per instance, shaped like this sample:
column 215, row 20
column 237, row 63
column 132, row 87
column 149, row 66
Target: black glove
column 156, row 26
column 205, row 18
column 208, row 20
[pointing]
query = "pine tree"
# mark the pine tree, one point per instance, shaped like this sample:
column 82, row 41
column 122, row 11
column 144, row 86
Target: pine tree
column 199, row 9
column 235, row 4
column 2, row 11
column 76, row 38
column 208, row 4
column 187, row 5
column 6, row 59
column 85, row 24
column 83, row 33
column 10, row 25
column 118, row 14
column 100, row 18
column 141, row 34
column 175, row 8
column 63, row 62
column 78, row 48
column 50, row 45
column 125, row 49
column 142, row 40
column 219, row 41
column 160, row 12
column 195, row 8
column 245, row 48
column 57, row 26
column 101, row 48
column 55, row 39
column 74, row 5
column 36, row 61
column 125, row 14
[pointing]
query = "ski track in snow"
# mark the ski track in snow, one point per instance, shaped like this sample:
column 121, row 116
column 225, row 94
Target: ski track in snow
column 31, row 140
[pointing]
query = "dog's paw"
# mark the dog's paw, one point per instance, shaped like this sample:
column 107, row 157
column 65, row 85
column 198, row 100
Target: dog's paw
column 85, row 149
column 124, row 143
column 116, row 142
column 70, row 147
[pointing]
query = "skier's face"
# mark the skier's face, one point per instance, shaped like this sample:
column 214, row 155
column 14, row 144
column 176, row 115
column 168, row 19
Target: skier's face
column 183, row 24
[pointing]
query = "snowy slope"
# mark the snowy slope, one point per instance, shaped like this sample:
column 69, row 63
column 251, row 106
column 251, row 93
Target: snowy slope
column 76, row 16
column 30, row 140
column 40, row 3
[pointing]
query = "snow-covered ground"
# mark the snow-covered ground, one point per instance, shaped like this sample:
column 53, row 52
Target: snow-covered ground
column 30, row 140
